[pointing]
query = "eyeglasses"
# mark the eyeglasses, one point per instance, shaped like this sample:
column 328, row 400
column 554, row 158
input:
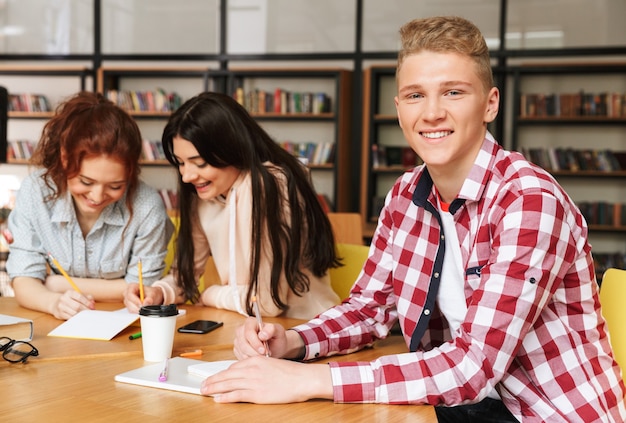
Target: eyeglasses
column 17, row 351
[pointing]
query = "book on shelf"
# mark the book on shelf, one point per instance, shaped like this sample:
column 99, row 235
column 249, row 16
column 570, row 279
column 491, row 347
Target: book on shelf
column 20, row 149
column 276, row 106
column 580, row 104
column 170, row 199
column 378, row 156
column 315, row 153
column 383, row 156
column 393, row 155
column 410, row 157
column 152, row 150
column 26, row 102
column 573, row 160
column 603, row 213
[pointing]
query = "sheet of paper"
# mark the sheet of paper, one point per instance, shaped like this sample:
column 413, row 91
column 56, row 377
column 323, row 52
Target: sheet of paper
column 95, row 324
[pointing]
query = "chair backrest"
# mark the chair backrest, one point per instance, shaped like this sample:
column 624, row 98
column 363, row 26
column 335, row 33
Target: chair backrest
column 347, row 227
column 353, row 257
column 613, row 301
column 210, row 275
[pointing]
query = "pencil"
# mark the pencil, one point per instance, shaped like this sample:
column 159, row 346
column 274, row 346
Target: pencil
column 139, row 269
column 63, row 272
column 259, row 320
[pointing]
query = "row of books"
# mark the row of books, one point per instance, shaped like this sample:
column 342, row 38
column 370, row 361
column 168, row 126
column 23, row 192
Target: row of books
column 603, row 213
column 20, row 149
column 555, row 159
column 170, row 199
column 605, row 104
column 23, row 150
column 283, row 101
column 145, row 101
column 315, row 153
column 152, row 150
column 394, row 156
column 28, row 103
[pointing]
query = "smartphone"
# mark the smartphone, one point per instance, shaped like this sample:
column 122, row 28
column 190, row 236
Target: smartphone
column 200, row 326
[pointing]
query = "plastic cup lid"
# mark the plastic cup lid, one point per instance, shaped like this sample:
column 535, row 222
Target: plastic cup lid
column 159, row 310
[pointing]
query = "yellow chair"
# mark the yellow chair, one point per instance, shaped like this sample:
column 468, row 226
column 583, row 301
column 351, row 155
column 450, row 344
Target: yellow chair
column 612, row 299
column 171, row 247
column 353, row 257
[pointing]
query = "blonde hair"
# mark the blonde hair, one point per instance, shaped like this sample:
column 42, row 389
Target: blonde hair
column 447, row 34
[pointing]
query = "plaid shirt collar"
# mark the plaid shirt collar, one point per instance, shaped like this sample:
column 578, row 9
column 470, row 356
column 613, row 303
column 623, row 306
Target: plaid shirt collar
column 474, row 185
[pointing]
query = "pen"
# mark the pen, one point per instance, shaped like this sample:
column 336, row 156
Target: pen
column 63, row 272
column 135, row 336
column 196, row 353
column 140, row 271
column 260, row 323
column 163, row 374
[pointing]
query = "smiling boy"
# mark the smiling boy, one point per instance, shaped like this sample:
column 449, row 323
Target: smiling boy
column 481, row 257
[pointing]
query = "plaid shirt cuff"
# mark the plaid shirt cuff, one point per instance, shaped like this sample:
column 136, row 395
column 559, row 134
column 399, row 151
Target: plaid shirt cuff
column 352, row 382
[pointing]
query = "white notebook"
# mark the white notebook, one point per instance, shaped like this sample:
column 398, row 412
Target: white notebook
column 179, row 377
column 209, row 368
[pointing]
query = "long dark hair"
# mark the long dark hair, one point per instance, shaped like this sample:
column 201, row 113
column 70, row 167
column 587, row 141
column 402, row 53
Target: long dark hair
column 226, row 135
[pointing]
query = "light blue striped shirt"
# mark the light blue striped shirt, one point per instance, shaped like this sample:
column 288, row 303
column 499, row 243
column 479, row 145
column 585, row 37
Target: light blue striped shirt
column 111, row 249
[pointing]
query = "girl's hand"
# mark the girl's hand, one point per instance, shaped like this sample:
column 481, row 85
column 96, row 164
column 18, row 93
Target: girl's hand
column 70, row 303
column 132, row 301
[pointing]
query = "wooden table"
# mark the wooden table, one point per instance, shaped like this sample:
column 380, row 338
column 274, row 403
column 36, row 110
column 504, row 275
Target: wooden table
column 72, row 380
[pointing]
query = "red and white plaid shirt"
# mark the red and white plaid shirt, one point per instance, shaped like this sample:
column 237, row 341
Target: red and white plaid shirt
column 533, row 330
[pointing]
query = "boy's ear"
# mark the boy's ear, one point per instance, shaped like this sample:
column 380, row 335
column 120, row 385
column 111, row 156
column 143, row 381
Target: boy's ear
column 493, row 105
column 396, row 101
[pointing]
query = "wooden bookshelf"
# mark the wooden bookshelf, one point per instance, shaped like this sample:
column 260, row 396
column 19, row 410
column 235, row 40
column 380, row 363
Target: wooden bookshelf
column 576, row 106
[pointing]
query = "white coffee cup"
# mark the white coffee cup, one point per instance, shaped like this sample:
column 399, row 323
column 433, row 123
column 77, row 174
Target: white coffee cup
column 158, row 324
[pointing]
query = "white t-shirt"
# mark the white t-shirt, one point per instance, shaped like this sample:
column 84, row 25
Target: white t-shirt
column 451, row 295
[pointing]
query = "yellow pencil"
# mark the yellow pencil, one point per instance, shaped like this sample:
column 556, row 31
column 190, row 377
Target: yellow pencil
column 63, row 272
column 140, row 281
